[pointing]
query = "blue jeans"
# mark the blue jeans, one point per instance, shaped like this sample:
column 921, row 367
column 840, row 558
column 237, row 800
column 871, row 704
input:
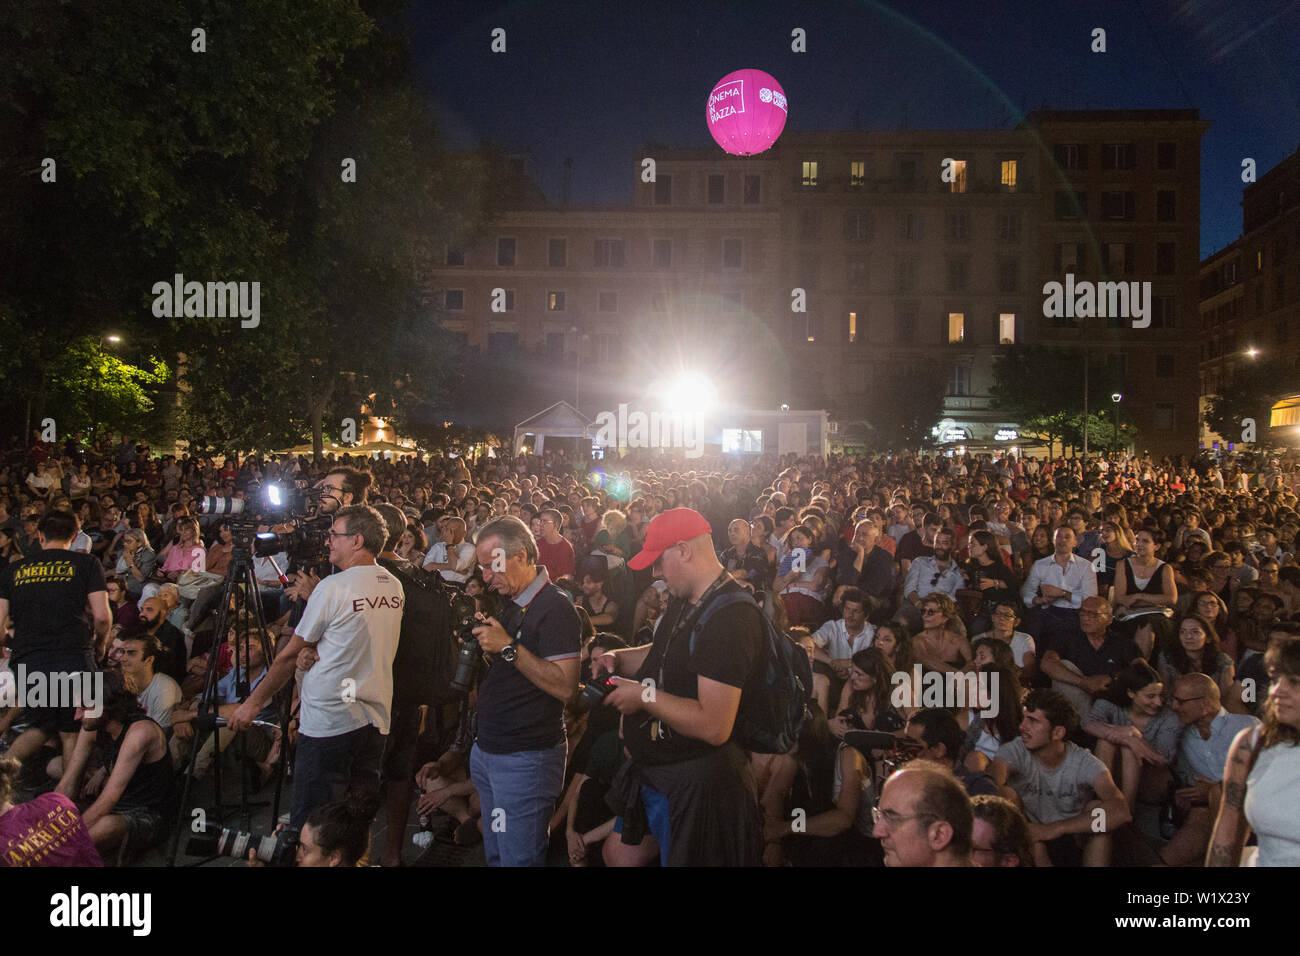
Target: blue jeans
column 326, row 769
column 517, row 792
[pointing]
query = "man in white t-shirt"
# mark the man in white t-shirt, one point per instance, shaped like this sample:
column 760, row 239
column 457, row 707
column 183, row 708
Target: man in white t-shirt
column 453, row 556
column 352, row 621
column 838, row 641
column 137, row 653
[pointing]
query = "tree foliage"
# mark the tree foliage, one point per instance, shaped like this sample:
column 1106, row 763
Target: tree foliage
column 1042, row 389
column 1249, row 396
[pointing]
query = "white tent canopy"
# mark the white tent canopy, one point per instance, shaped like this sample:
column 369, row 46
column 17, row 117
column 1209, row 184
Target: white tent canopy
column 561, row 420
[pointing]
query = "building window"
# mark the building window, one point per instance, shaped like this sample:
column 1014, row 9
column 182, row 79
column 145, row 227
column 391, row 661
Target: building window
column 857, row 273
column 813, row 327
column 956, row 327
column 607, row 302
column 907, row 172
column 959, row 380
column 1163, row 419
column 1119, row 156
column 958, row 224
column 1069, row 257
column 609, row 348
column 1006, row 328
column 609, row 253
column 557, row 253
column 1166, row 155
column 1071, row 156
column 958, row 173
column 717, row 189
column 905, row 323
column 505, row 252
column 810, row 173
column 663, row 190
column 1165, row 258
column 510, row 300
column 454, row 300
column 732, row 251
column 857, row 173
column 1009, row 275
column 1164, row 365
column 732, row 302
column 555, row 302
column 1009, row 226
column 810, row 224
column 1117, row 258
column 1009, row 170
column 662, row 253
column 1070, row 204
column 906, row 275
column 501, row 343
column 455, row 257
column 1165, row 205
column 1117, row 205
column 910, row 225
column 555, row 344
column 857, row 225
column 753, row 188
column 957, row 275
column 1165, row 314
column 852, row 329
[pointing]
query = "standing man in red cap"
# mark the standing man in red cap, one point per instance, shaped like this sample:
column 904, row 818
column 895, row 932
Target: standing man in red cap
column 688, row 784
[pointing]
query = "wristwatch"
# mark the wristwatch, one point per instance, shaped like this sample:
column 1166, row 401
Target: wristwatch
column 508, row 652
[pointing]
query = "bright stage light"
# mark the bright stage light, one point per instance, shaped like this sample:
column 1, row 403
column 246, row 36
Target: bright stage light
column 690, row 392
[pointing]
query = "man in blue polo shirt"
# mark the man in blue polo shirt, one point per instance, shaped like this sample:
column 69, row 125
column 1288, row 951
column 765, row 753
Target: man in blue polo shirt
column 533, row 647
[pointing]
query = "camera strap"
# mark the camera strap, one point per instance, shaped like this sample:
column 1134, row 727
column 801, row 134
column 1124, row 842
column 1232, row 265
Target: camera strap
column 688, row 620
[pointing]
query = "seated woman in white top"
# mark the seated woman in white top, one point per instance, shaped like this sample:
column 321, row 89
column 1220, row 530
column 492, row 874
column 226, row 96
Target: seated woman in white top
column 1261, row 779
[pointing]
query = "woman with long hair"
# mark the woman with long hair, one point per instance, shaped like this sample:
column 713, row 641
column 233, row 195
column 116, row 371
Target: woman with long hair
column 987, row 572
column 413, row 545
column 894, row 641
column 1262, row 774
column 941, row 644
column 1116, row 545
column 865, row 701
column 984, row 735
column 1137, row 736
column 1196, row 651
column 801, row 579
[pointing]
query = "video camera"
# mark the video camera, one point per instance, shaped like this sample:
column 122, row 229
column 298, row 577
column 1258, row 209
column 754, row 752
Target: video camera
column 306, row 541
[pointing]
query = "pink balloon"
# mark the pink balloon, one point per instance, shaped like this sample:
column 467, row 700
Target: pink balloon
column 746, row 112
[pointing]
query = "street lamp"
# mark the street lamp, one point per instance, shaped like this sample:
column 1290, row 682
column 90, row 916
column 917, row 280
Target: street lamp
column 1115, row 397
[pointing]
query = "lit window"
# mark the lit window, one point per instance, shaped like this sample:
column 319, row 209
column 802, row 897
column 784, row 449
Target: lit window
column 956, row 327
column 810, row 173
column 1009, row 175
column 857, row 173
column 1007, row 328
column 958, row 184
column 555, row 302
column 853, row 326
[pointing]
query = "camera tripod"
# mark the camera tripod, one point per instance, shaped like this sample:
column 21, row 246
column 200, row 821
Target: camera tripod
column 240, row 597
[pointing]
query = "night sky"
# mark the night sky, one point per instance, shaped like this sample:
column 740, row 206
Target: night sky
column 598, row 80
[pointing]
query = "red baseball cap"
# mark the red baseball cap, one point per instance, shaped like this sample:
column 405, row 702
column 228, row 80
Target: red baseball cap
column 667, row 529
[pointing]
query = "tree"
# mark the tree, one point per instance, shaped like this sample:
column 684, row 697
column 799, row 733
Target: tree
column 1042, row 389
column 1250, row 395
column 905, row 405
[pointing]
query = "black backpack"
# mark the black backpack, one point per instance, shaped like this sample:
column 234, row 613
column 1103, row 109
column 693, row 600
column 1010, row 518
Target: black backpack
column 426, row 649
column 773, row 703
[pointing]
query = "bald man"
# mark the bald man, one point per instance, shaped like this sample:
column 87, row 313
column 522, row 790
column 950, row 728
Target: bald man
column 1202, row 754
column 925, row 817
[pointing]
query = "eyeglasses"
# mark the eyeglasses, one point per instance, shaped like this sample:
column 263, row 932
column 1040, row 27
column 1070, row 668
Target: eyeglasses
column 1184, row 700
column 931, row 610
column 342, row 534
column 891, row 819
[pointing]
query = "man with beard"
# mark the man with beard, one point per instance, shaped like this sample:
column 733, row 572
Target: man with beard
column 929, row 574
column 172, row 659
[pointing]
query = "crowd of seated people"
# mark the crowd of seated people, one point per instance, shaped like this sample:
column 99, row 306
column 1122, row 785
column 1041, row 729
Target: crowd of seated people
column 1132, row 623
